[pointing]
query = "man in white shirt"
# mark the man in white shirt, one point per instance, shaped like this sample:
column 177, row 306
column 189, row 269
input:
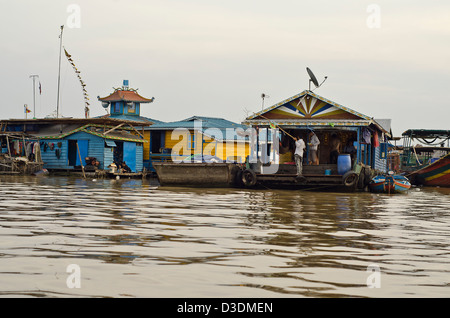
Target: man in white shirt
column 298, row 154
column 313, row 145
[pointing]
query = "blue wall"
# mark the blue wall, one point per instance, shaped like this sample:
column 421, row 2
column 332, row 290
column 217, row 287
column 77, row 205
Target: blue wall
column 121, row 108
column 51, row 161
column 96, row 148
column 139, row 157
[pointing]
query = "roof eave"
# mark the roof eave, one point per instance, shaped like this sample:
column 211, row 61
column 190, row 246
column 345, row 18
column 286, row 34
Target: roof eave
column 310, row 93
column 308, row 122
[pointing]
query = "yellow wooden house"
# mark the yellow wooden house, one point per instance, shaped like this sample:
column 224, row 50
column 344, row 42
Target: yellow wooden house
column 197, row 135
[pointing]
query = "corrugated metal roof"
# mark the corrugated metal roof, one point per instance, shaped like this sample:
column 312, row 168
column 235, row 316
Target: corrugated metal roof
column 101, row 120
column 191, row 122
column 385, row 124
column 206, row 124
column 134, row 118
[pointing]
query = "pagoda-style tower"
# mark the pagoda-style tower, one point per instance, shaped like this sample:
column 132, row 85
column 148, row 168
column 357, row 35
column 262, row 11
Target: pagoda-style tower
column 124, row 102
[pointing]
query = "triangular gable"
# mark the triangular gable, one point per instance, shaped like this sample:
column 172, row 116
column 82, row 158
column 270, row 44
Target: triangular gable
column 308, row 105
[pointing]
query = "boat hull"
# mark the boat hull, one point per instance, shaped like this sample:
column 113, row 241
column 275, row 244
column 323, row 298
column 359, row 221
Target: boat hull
column 435, row 174
column 389, row 184
column 196, row 174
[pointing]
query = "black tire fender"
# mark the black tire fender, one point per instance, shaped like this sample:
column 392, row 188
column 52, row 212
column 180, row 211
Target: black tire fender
column 350, row 178
column 361, row 178
column 367, row 176
column 248, row 178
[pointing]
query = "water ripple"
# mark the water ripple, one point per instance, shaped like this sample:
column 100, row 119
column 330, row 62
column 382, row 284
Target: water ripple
column 134, row 239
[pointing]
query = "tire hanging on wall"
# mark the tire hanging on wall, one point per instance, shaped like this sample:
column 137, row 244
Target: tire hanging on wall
column 248, row 178
column 361, row 178
column 367, row 176
column 350, row 179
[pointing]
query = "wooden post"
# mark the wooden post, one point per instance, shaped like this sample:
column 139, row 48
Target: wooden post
column 25, row 147
column 7, row 143
column 81, row 161
column 9, row 152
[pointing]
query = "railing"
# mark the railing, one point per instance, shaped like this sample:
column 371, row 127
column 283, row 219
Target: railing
column 158, row 157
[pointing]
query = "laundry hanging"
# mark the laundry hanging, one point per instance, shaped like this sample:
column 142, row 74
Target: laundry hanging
column 365, row 136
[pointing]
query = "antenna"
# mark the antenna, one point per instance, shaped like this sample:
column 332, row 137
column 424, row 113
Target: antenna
column 263, row 96
column 312, row 78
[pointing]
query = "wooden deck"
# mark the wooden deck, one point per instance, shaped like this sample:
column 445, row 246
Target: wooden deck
column 312, row 175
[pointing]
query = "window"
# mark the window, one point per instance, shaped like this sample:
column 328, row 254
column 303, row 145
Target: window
column 191, row 141
column 116, row 108
column 131, row 108
column 383, row 150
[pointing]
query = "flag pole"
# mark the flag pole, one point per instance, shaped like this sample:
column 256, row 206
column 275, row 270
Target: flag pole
column 34, row 94
column 59, row 70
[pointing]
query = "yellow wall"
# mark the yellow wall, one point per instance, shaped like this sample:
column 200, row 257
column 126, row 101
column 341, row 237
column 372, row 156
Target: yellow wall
column 146, row 145
column 222, row 150
column 226, row 150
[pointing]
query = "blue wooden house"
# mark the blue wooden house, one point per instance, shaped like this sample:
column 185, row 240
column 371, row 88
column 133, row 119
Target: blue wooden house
column 125, row 103
column 68, row 143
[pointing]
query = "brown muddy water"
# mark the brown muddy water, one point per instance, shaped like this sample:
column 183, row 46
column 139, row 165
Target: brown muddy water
column 68, row 237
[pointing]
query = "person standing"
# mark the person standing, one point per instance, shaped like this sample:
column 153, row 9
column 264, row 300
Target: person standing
column 335, row 148
column 313, row 146
column 298, row 154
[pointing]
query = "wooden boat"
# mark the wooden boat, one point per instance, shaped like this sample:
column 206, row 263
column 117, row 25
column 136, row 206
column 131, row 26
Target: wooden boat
column 428, row 163
column 437, row 173
column 389, row 184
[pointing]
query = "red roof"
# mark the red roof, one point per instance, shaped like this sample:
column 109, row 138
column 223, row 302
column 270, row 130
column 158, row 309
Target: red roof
column 125, row 95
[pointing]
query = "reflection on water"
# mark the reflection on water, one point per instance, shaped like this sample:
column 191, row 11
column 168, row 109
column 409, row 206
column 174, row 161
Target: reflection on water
column 131, row 238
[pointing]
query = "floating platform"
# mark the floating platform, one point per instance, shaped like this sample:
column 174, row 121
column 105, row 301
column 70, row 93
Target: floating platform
column 313, row 176
column 197, row 174
column 237, row 175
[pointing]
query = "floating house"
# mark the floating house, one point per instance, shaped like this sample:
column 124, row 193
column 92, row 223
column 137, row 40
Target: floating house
column 197, row 135
column 68, row 144
column 125, row 103
column 361, row 140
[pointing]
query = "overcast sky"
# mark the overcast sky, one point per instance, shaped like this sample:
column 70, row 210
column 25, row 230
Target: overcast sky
column 385, row 59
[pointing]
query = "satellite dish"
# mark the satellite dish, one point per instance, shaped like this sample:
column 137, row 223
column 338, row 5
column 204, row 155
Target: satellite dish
column 105, row 104
column 312, row 78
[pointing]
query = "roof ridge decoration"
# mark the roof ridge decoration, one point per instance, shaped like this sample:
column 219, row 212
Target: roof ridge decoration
column 313, row 108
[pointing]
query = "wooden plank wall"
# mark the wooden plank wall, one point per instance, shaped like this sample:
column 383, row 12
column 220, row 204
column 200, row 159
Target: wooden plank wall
column 49, row 157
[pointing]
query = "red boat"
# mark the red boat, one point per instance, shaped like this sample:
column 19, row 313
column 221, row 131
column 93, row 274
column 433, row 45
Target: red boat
column 434, row 174
column 427, row 163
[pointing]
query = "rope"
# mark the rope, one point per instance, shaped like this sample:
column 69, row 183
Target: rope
column 278, row 127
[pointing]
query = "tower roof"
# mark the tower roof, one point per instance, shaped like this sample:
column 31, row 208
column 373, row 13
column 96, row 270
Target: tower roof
column 125, row 95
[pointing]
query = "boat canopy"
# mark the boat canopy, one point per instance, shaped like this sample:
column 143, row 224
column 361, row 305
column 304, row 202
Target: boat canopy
column 431, row 133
